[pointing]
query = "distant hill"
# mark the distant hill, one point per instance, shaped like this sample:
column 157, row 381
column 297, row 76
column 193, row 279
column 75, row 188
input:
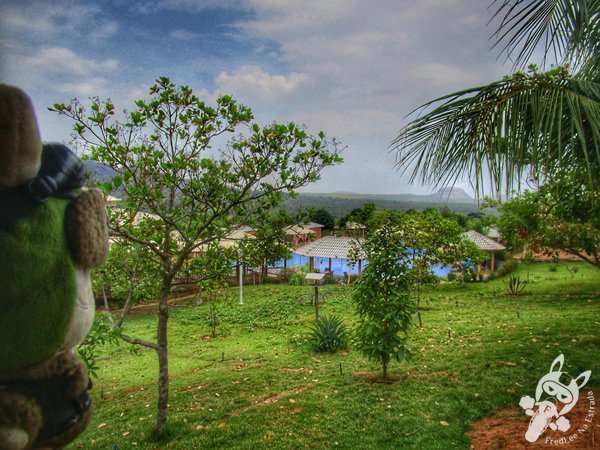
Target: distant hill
column 339, row 203
column 443, row 195
column 98, row 172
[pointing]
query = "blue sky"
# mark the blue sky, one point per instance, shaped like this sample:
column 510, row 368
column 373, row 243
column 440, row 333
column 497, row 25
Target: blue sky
column 352, row 68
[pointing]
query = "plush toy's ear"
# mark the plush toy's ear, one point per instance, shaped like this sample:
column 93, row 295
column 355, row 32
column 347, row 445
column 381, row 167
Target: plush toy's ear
column 87, row 229
column 20, row 143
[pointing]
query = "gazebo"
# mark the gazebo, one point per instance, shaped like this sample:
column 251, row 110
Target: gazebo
column 484, row 243
column 330, row 247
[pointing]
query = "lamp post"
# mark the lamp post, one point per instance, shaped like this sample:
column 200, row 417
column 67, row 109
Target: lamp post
column 241, row 267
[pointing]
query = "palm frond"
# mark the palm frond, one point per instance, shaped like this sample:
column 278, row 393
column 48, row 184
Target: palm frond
column 522, row 125
column 569, row 30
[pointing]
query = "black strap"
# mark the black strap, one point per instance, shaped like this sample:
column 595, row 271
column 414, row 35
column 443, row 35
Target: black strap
column 60, row 175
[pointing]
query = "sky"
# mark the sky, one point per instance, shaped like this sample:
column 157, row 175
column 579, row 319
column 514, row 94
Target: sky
column 352, row 68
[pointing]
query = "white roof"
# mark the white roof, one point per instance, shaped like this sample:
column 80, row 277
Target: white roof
column 483, row 242
column 297, row 229
column 492, row 232
column 329, row 247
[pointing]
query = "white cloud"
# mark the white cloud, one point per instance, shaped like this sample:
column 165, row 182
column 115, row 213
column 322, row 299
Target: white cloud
column 254, row 83
column 60, row 60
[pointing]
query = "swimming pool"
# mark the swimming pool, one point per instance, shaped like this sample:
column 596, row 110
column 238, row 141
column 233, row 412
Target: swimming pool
column 339, row 266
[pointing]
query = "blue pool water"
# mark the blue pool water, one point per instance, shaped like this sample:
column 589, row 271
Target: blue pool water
column 340, row 265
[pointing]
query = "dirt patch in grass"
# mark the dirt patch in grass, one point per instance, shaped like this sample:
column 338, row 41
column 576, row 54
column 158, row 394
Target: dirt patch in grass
column 507, row 427
column 375, row 377
column 273, row 399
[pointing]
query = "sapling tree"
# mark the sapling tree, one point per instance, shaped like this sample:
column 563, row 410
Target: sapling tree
column 188, row 195
column 382, row 296
column 268, row 242
column 129, row 276
column 433, row 239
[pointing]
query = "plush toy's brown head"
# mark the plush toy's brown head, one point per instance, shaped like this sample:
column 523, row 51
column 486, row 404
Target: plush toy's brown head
column 20, row 141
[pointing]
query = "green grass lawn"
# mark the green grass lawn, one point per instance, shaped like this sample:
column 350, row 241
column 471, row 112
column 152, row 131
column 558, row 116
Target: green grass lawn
column 260, row 385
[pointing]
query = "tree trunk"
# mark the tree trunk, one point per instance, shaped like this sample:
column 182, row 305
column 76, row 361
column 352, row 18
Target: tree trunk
column 163, row 361
column 384, row 363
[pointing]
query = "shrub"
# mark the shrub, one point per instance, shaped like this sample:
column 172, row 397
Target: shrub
column 515, row 286
column 509, row 266
column 454, row 276
column 329, row 334
column 553, row 268
column 297, row 278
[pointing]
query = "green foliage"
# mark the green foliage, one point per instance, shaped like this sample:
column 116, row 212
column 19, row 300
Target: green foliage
column 560, row 216
column 102, row 333
column 514, row 285
column 323, row 217
column 359, row 215
column 269, row 239
column 129, row 272
column 507, row 267
column 382, row 296
column 271, row 361
column 213, row 317
column 573, row 270
column 453, row 276
column 180, row 197
column 534, row 125
column 297, row 277
column 329, row 334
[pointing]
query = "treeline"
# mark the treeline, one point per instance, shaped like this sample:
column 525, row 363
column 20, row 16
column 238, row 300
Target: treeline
column 339, row 207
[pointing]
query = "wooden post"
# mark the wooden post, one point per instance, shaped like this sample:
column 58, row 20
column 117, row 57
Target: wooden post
column 311, row 264
column 359, row 267
column 330, row 264
column 316, row 302
column 493, row 260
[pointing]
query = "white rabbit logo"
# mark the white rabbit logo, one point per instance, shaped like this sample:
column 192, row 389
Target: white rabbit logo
column 559, row 399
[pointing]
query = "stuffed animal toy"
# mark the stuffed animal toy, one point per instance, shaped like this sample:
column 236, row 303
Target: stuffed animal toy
column 51, row 234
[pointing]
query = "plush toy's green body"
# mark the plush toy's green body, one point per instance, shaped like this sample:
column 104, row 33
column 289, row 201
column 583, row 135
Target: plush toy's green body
column 38, row 283
column 52, row 233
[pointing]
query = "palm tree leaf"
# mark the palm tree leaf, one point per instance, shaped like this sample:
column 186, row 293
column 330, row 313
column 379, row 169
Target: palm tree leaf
column 532, row 125
column 568, row 29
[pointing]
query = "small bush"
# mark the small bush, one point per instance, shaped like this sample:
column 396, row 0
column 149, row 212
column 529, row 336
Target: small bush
column 453, row 276
column 553, row 268
column 509, row 266
column 329, row 334
column 514, row 285
column 296, row 279
column 573, row 270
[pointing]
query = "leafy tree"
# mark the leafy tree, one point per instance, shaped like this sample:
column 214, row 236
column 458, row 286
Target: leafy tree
column 382, row 296
column 269, row 241
column 434, row 239
column 128, row 275
column 359, row 215
column 538, row 124
column 188, row 196
column 383, row 217
column 323, row 217
column 539, row 221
